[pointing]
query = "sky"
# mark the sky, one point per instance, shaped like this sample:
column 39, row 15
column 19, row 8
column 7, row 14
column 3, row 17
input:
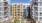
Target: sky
column 20, row 1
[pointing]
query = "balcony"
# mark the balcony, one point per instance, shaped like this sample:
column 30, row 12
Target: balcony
column 35, row 18
column 5, row 4
column 35, row 9
column 35, row 13
column 35, row 6
column 36, row 1
column 5, row 8
column 5, row 13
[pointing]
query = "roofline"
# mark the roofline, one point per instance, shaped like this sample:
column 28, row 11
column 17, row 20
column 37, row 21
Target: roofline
column 22, row 3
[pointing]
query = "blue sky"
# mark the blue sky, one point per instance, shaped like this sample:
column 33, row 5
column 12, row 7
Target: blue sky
column 20, row 1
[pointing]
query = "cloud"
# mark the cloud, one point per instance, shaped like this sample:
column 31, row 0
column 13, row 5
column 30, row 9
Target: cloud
column 28, row 3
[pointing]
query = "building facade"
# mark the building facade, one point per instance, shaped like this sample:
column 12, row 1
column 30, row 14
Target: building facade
column 4, row 11
column 20, row 12
column 37, row 10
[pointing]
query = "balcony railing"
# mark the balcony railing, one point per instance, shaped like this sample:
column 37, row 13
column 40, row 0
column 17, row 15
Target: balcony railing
column 5, row 8
column 35, row 6
column 35, row 9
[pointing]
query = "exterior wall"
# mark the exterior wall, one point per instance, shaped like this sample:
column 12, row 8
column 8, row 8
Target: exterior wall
column 40, row 11
column 4, row 10
column 37, row 12
column 18, row 13
column 25, row 12
column 1, row 11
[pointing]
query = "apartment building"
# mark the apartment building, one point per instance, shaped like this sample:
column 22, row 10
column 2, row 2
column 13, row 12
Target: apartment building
column 20, row 12
column 4, row 11
column 37, row 10
column 11, row 20
column 29, row 17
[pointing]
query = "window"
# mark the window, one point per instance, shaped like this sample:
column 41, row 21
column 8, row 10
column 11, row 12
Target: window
column 5, row 3
column 15, row 7
column 36, row 13
column 21, row 7
column 18, row 14
column 5, row 13
column 18, row 6
column 0, row 13
column 40, row 14
column 35, row 9
column 21, row 12
column 5, row 8
column 5, row 16
column 40, row 9
column 40, row 18
column 40, row 4
column 15, row 12
column 18, row 9
column 36, row 18
column 0, row 9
